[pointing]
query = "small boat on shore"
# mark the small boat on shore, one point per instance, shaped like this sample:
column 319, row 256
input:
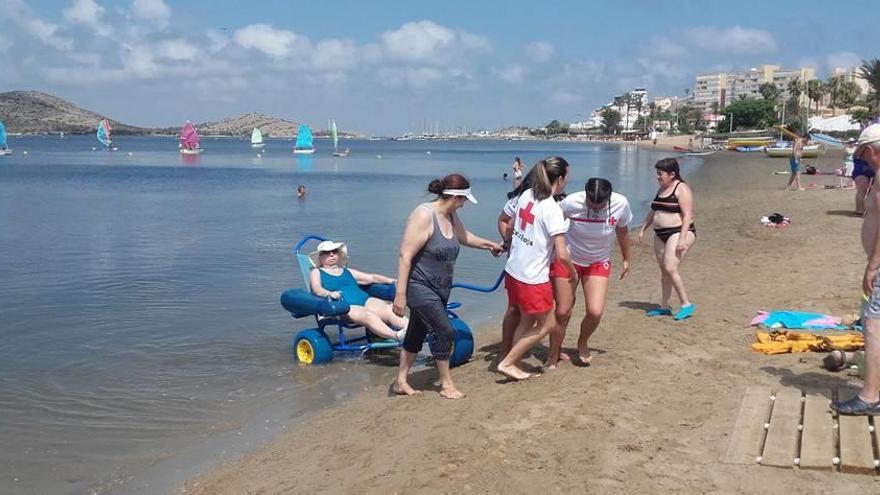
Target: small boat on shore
column 760, row 142
column 698, row 153
column 749, row 149
column 810, row 151
column 304, row 141
column 681, row 149
column 257, row 139
column 189, row 140
column 4, row 150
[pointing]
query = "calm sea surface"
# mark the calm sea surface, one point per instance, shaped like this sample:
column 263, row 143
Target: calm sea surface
column 141, row 337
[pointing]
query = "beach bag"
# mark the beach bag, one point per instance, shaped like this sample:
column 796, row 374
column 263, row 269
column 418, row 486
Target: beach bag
column 776, row 218
column 810, row 170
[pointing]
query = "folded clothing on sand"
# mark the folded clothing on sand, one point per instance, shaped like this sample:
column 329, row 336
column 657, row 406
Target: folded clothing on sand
column 786, row 341
column 797, row 320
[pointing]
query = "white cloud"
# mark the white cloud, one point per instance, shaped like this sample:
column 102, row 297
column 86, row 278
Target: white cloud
column 176, row 50
column 335, row 55
column 218, row 40
column 20, row 14
column 662, row 46
column 514, row 74
column 540, row 51
column 156, row 11
column 87, row 13
column 276, row 43
column 428, row 43
column 736, row 39
column 842, row 60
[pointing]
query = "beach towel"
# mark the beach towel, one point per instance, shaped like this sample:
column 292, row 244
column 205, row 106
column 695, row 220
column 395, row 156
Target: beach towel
column 797, row 320
column 786, row 341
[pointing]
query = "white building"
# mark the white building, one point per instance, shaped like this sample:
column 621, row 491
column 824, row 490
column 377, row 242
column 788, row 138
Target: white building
column 723, row 88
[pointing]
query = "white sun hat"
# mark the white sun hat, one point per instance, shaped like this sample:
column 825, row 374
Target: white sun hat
column 326, row 246
column 461, row 192
column 871, row 134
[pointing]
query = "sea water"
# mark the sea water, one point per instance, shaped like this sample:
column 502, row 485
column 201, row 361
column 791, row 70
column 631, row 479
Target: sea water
column 141, row 336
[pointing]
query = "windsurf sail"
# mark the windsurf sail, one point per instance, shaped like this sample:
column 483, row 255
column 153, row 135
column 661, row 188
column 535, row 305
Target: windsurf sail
column 304, row 137
column 256, row 136
column 334, row 135
column 2, row 136
column 189, row 137
column 104, row 132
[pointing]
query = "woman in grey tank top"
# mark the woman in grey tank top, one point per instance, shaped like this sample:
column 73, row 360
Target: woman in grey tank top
column 428, row 251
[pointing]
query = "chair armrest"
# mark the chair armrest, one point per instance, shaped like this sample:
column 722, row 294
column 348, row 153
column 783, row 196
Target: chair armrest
column 301, row 303
column 382, row 291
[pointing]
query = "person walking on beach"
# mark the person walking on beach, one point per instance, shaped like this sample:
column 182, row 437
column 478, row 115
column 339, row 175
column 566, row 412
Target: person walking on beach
column 538, row 233
column 563, row 289
column 597, row 216
column 794, row 162
column 428, row 250
column 863, row 176
column 517, row 172
column 867, row 402
column 672, row 214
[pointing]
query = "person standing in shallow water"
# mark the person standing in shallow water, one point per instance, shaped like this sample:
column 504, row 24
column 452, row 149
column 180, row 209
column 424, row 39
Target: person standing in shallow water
column 428, row 251
column 672, row 214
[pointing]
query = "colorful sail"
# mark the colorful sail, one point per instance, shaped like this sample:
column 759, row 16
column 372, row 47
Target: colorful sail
column 189, row 137
column 256, row 136
column 304, row 137
column 2, row 135
column 104, row 132
column 334, row 135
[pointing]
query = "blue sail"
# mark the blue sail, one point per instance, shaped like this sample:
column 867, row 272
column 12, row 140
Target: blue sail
column 103, row 133
column 2, row 135
column 304, row 137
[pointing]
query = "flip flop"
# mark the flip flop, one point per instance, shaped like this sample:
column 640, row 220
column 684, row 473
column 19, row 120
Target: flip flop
column 856, row 407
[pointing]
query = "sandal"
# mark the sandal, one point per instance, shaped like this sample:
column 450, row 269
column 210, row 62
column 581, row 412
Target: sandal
column 856, row 407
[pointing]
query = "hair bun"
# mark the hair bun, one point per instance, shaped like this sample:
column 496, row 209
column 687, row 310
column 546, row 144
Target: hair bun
column 435, row 187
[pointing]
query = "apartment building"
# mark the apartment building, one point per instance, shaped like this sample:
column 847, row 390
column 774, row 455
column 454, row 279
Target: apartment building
column 723, row 87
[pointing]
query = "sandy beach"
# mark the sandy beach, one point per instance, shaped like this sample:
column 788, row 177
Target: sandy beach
column 654, row 411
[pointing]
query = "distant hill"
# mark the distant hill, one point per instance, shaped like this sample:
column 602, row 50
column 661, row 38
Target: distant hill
column 36, row 112
column 33, row 112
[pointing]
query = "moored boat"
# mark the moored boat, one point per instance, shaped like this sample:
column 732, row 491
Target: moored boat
column 810, row 151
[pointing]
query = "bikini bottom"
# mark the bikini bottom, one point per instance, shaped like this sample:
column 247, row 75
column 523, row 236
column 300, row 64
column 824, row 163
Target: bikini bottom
column 665, row 233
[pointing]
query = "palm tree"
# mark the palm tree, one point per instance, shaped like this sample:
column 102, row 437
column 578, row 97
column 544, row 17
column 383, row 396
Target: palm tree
column 870, row 72
column 815, row 91
column 769, row 91
column 834, row 88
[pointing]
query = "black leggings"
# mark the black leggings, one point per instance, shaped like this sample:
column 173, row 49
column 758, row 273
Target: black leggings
column 666, row 232
column 430, row 318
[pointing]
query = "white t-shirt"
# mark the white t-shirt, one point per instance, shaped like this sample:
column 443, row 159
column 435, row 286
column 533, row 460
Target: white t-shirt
column 590, row 236
column 534, row 225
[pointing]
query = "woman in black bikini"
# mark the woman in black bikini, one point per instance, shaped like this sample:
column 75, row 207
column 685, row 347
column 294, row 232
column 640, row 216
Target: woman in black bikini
column 672, row 215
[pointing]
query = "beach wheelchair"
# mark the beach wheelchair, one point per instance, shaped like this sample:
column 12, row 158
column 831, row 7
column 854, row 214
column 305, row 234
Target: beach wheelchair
column 314, row 345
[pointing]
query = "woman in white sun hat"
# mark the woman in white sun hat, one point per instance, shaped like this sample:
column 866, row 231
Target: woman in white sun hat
column 332, row 278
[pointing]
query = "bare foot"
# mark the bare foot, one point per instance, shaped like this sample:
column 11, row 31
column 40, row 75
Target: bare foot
column 585, row 357
column 451, row 393
column 514, row 373
column 563, row 356
column 404, row 389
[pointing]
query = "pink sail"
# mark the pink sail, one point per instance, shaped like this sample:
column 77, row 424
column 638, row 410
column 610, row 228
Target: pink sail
column 189, row 137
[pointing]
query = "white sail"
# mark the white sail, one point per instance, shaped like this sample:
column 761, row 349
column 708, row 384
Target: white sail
column 256, row 136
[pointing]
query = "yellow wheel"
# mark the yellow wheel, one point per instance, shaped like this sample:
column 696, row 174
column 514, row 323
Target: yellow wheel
column 312, row 347
column 305, row 353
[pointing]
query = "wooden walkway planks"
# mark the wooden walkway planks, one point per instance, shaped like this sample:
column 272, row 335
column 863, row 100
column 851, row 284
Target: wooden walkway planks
column 817, row 443
column 748, row 431
column 780, row 449
column 856, row 451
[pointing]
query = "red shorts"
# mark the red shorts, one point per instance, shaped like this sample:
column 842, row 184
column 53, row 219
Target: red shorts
column 531, row 298
column 597, row 269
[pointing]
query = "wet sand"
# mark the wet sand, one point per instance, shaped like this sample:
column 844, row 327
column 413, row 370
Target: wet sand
column 654, row 411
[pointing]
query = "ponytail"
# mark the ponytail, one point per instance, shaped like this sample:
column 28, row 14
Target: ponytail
column 546, row 173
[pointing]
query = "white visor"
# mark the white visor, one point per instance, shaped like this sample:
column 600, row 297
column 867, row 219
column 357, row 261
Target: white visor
column 461, row 192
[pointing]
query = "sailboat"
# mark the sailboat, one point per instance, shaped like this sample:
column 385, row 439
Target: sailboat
column 4, row 150
column 335, row 137
column 189, row 140
column 257, row 139
column 304, row 139
column 103, row 135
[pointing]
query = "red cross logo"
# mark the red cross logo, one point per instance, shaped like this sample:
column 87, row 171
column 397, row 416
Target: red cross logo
column 612, row 221
column 525, row 216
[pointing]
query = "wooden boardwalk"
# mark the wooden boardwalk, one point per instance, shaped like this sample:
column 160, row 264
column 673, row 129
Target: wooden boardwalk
column 788, row 429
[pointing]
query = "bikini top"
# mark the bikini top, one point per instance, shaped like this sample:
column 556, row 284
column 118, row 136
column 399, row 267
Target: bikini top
column 667, row 203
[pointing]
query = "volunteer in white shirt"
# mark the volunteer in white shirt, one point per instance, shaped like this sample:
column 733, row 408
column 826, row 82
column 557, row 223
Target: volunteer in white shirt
column 597, row 215
column 538, row 231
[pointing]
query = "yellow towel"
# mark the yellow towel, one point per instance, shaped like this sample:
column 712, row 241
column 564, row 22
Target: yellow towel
column 786, row 341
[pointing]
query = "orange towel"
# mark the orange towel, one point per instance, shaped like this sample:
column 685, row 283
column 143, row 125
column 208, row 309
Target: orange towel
column 787, row 341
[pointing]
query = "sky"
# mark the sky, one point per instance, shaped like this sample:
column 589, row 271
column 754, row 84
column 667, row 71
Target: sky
column 389, row 67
